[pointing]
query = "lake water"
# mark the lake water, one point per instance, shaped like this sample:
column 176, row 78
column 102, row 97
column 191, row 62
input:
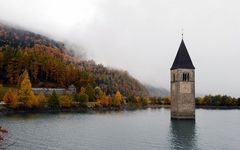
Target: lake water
column 149, row 129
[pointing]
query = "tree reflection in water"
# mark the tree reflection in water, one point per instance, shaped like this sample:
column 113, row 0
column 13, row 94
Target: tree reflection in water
column 183, row 135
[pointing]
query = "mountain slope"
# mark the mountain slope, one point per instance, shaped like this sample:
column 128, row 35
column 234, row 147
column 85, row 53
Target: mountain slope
column 51, row 64
column 21, row 38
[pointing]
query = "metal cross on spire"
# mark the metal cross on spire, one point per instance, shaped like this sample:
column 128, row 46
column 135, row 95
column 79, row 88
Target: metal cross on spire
column 182, row 32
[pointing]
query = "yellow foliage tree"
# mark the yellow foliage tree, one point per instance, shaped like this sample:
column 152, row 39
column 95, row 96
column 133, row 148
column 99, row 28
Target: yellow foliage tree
column 32, row 101
column 65, row 101
column 118, row 98
column 42, row 100
column 10, row 98
column 25, row 88
column 25, row 93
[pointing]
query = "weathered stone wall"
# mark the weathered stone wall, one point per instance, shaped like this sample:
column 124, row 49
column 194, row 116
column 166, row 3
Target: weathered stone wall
column 182, row 94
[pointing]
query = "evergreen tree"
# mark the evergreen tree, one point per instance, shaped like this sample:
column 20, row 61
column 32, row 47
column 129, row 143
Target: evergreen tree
column 83, row 97
column 53, row 100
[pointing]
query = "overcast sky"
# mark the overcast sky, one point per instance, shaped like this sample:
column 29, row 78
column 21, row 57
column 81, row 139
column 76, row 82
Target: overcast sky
column 143, row 36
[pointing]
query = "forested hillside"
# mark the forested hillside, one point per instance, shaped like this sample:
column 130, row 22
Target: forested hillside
column 50, row 64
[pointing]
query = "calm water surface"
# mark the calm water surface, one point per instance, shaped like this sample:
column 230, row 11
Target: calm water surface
column 149, row 129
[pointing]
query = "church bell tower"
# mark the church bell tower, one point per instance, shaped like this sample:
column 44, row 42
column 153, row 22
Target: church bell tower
column 182, row 85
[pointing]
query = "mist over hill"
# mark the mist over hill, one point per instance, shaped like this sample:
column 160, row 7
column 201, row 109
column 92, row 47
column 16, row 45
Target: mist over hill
column 51, row 64
column 157, row 91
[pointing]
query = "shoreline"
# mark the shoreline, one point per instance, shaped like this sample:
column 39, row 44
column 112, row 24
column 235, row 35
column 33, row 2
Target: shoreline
column 217, row 107
column 7, row 111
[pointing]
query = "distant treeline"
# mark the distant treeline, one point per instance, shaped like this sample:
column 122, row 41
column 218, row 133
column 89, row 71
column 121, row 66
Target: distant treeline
column 217, row 100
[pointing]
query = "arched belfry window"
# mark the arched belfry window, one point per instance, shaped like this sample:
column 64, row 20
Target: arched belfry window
column 174, row 77
column 185, row 77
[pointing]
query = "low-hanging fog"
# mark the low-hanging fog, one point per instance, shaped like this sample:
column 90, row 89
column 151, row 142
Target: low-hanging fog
column 143, row 36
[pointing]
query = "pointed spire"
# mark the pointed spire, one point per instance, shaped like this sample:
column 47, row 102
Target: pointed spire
column 182, row 59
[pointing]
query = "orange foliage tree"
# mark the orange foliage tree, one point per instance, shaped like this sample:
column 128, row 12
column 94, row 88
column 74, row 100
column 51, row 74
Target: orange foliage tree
column 10, row 98
column 103, row 98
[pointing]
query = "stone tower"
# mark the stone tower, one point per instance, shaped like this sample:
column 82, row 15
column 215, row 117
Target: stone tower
column 182, row 85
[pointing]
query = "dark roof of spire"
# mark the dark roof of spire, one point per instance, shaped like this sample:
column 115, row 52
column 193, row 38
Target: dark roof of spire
column 182, row 59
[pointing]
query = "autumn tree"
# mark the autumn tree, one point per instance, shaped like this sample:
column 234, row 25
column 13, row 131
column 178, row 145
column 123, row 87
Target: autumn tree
column 71, row 74
column 10, row 98
column 102, row 98
column 32, row 101
column 42, row 100
column 25, row 93
column 99, row 96
column 145, row 101
column 53, row 100
column 83, row 97
column 155, row 100
column 109, row 100
column 1, row 92
column 118, row 98
column 91, row 93
column 166, row 100
column 137, row 101
column 65, row 101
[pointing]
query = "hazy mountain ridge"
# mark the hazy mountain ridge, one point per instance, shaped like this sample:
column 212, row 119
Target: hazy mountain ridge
column 25, row 45
column 156, row 91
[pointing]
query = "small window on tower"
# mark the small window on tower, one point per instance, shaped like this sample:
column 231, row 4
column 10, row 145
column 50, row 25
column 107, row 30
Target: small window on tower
column 174, row 78
column 187, row 76
column 184, row 77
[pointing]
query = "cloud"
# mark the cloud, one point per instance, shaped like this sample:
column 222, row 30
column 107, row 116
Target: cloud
column 143, row 36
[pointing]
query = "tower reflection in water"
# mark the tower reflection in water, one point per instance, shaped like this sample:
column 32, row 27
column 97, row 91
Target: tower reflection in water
column 183, row 135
